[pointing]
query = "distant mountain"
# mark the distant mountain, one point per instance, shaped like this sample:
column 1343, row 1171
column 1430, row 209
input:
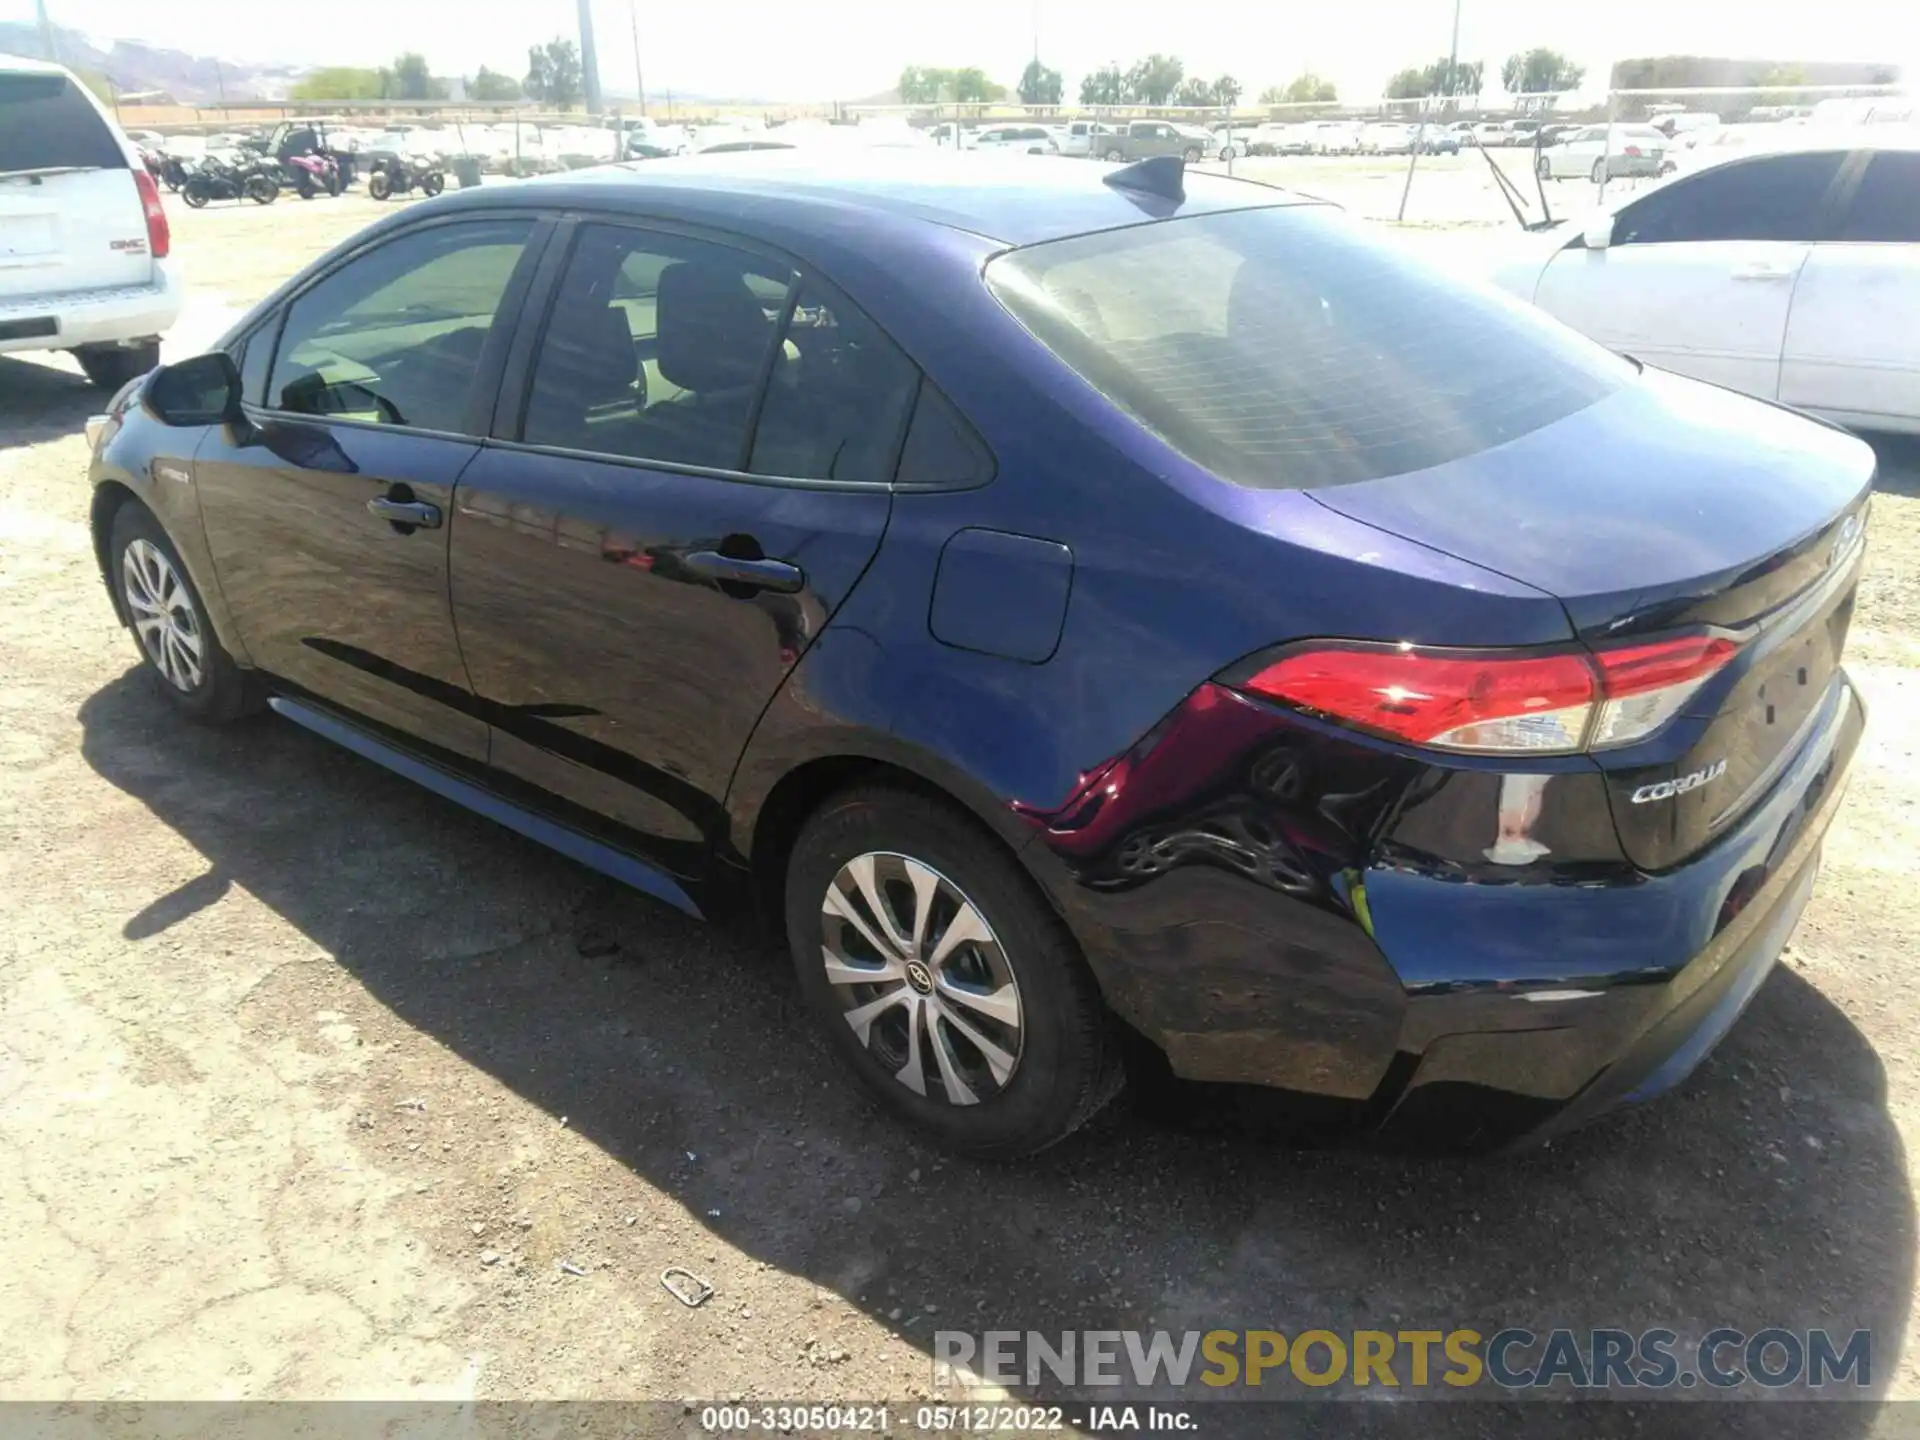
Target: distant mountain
column 134, row 66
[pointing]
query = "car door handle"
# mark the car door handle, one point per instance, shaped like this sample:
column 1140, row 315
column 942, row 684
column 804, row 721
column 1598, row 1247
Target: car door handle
column 775, row 575
column 405, row 512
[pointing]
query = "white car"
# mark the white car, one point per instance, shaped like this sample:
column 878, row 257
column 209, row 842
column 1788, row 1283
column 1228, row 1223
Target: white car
column 83, row 237
column 1592, row 153
column 1793, row 277
column 1334, row 137
column 1390, row 137
column 1022, row 139
column 1082, row 137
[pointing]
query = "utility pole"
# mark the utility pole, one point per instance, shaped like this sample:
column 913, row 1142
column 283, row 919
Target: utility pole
column 46, row 32
column 639, row 80
column 1420, row 133
column 589, row 59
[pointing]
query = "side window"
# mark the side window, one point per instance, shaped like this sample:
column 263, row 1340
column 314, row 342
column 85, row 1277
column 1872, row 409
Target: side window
column 1777, row 197
column 837, row 399
column 941, row 450
column 655, row 348
column 1886, row 208
column 394, row 337
column 255, row 357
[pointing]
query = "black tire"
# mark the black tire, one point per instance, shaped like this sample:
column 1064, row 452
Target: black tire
column 304, row 187
column 1191, row 155
column 111, row 366
column 262, row 190
column 197, row 191
column 1227, row 152
column 333, row 184
column 1543, row 168
column 1599, row 175
column 432, row 183
column 224, row 692
column 379, row 185
column 1068, row 1064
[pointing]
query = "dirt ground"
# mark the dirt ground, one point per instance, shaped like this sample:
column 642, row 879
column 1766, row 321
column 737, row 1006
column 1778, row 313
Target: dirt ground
column 312, row 1085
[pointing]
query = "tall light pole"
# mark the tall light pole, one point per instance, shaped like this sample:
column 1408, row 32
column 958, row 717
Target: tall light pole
column 589, row 59
column 46, row 32
column 639, row 80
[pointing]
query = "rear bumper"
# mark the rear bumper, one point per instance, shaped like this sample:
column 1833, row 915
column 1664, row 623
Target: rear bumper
column 1492, row 1065
column 94, row 317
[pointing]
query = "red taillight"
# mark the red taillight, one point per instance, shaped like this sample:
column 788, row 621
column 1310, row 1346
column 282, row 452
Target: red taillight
column 1495, row 703
column 159, row 235
column 1633, row 150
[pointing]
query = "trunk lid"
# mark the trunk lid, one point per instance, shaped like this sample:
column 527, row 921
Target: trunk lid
column 1669, row 507
column 71, row 218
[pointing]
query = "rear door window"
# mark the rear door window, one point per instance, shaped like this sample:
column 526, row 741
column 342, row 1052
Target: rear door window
column 1774, row 197
column 1886, row 207
column 1287, row 348
column 46, row 123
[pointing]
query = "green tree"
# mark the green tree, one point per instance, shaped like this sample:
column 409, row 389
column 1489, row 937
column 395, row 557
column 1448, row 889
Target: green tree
column 1193, row 91
column 1407, row 84
column 1306, row 88
column 1461, row 78
column 553, row 74
column 340, row 82
column 1541, row 72
column 1226, row 91
column 971, row 86
column 410, row 79
column 917, row 87
column 1040, row 85
column 1105, row 86
column 493, row 88
column 1154, row 80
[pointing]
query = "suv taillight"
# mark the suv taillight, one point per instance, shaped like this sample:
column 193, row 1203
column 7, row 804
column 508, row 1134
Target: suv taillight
column 1493, row 702
column 159, row 235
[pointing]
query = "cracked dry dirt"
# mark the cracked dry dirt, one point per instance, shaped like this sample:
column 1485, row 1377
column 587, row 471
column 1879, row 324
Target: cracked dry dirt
column 312, row 1085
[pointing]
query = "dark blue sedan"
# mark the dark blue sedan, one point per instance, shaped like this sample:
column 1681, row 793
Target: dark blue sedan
column 1102, row 617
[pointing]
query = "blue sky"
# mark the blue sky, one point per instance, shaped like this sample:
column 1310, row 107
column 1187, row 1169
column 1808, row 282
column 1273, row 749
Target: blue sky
column 824, row 49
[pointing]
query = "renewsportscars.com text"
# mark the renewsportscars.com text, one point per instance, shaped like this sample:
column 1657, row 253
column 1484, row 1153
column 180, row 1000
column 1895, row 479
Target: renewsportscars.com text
column 1513, row 1358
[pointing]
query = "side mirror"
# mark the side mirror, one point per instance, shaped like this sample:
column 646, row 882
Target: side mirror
column 204, row 390
column 1599, row 232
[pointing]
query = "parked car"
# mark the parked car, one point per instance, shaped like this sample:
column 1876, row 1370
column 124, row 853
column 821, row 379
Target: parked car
column 1083, row 138
column 1792, row 277
column 1390, row 137
column 1592, row 153
column 1490, row 134
column 1021, row 139
column 84, row 243
column 1434, row 140
column 1140, row 139
column 1516, row 846
column 1333, row 137
column 1278, row 137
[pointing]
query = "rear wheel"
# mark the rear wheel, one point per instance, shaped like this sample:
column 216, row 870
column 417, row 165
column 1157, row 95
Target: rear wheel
column 432, row 183
column 379, row 185
column 1191, row 155
column 1116, row 154
column 304, row 188
column 1543, row 168
column 190, row 669
column 197, row 191
column 943, row 978
column 262, row 190
column 111, row 366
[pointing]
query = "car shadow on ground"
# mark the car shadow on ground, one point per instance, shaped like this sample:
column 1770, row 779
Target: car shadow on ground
column 1899, row 457
column 40, row 400
column 1770, row 1191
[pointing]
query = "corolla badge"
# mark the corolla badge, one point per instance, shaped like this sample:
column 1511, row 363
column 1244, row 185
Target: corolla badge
column 1667, row 789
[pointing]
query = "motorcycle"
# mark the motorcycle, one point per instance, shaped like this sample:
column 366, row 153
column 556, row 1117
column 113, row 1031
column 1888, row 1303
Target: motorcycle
column 312, row 174
column 215, row 180
column 392, row 175
column 173, row 172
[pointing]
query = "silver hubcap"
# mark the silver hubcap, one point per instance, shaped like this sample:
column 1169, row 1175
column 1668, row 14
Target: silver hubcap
column 163, row 614
column 921, row 978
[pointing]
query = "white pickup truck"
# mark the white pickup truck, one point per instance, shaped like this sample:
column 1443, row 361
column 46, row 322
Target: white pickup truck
column 83, row 237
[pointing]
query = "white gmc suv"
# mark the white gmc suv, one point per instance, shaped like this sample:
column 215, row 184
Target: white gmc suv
column 83, row 238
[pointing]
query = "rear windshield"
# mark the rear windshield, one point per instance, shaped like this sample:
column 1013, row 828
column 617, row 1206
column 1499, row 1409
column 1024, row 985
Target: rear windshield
column 1286, row 348
column 46, row 123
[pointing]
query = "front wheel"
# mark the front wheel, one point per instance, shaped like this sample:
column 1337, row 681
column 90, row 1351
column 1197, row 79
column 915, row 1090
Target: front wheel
column 1116, row 155
column 197, row 191
column 943, row 978
column 1543, row 168
column 380, row 185
column 1227, row 152
column 191, row 670
column 305, row 188
column 262, row 190
column 1191, row 155
column 432, row 183
column 1600, row 172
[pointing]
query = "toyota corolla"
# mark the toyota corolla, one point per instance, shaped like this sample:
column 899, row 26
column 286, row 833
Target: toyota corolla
column 1080, row 607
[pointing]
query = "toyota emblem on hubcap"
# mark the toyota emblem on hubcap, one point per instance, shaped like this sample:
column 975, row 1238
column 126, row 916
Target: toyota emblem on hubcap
column 920, row 977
